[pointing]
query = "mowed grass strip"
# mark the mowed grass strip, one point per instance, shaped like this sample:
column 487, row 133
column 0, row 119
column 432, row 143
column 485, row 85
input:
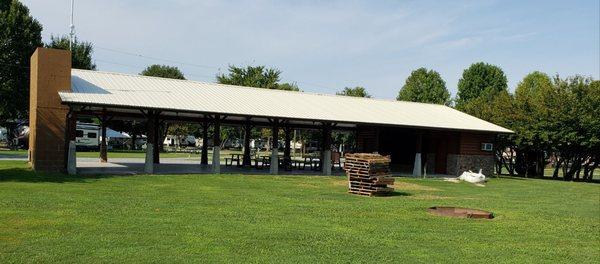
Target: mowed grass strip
column 298, row 219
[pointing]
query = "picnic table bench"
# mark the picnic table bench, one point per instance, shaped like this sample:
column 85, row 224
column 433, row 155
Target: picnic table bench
column 234, row 157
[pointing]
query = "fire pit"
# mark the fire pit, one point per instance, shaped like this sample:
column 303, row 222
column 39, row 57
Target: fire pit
column 460, row 212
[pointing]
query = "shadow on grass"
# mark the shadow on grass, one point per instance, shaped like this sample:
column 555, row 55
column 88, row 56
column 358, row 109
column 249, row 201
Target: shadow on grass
column 396, row 193
column 504, row 176
column 24, row 174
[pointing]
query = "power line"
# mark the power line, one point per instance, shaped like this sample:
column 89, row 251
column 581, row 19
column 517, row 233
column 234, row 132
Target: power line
column 141, row 67
column 150, row 57
column 312, row 84
column 182, row 63
column 191, row 64
column 155, row 58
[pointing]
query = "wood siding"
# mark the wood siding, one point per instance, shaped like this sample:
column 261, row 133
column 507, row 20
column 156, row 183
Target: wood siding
column 367, row 139
column 470, row 143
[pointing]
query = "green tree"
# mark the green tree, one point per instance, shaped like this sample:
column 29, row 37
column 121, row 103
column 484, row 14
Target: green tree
column 355, row 92
column 554, row 120
column 425, row 86
column 163, row 71
column 574, row 126
column 20, row 35
column 480, row 80
column 288, row 87
column 81, row 52
column 251, row 76
column 532, row 104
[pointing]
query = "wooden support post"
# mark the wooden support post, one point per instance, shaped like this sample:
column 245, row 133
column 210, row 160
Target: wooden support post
column 417, row 169
column 156, row 139
column 274, row 168
column 204, row 155
column 216, row 159
column 247, row 134
column 103, row 154
column 326, row 150
column 287, row 158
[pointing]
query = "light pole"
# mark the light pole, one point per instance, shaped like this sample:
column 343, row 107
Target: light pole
column 71, row 27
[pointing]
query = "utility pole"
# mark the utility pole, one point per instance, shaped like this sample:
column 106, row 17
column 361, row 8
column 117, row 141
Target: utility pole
column 71, row 27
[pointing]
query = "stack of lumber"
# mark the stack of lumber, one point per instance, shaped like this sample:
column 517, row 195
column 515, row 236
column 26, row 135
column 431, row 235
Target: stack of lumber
column 368, row 174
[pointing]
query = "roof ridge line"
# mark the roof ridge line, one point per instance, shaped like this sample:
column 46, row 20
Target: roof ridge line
column 259, row 88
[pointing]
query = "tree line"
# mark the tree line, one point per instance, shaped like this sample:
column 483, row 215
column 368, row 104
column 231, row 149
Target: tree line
column 556, row 120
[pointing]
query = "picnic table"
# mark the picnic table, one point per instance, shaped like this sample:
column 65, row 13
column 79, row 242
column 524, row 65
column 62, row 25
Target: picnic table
column 313, row 162
column 234, row 157
column 265, row 160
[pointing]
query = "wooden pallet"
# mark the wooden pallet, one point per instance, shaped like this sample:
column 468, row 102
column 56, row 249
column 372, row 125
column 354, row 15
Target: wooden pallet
column 369, row 178
column 368, row 174
column 369, row 193
column 376, row 182
column 366, row 170
column 371, row 188
column 368, row 157
column 362, row 193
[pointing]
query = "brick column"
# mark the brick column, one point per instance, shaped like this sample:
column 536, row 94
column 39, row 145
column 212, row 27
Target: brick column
column 50, row 74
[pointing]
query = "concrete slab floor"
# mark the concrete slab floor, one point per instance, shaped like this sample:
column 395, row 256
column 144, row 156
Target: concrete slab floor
column 176, row 166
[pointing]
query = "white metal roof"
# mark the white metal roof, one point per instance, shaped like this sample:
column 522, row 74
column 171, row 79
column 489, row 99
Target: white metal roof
column 135, row 91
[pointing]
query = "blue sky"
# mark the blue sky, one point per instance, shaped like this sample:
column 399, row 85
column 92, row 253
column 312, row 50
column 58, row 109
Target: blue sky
column 324, row 46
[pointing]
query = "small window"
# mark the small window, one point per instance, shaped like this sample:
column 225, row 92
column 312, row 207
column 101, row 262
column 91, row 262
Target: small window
column 92, row 135
column 79, row 133
column 487, row 146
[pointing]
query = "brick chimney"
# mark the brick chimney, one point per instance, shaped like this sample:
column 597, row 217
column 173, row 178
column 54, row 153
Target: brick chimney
column 50, row 73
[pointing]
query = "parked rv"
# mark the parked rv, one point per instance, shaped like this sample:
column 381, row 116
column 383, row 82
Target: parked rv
column 2, row 134
column 179, row 141
column 21, row 141
column 87, row 136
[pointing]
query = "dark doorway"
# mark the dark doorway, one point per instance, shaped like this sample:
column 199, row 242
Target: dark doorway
column 400, row 144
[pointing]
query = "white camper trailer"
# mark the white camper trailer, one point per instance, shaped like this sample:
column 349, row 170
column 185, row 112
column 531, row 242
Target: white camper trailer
column 87, row 136
column 179, row 141
column 2, row 134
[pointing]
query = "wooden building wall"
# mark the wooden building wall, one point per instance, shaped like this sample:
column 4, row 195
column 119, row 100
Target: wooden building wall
column 442, row 152
column 367, row 139
column 470, row 143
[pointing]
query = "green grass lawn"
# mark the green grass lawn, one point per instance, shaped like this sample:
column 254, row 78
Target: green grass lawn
column 549, row 171
column 295, row 219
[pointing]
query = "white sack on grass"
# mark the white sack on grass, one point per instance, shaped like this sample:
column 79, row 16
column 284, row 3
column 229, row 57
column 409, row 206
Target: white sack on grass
column 472, row 177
